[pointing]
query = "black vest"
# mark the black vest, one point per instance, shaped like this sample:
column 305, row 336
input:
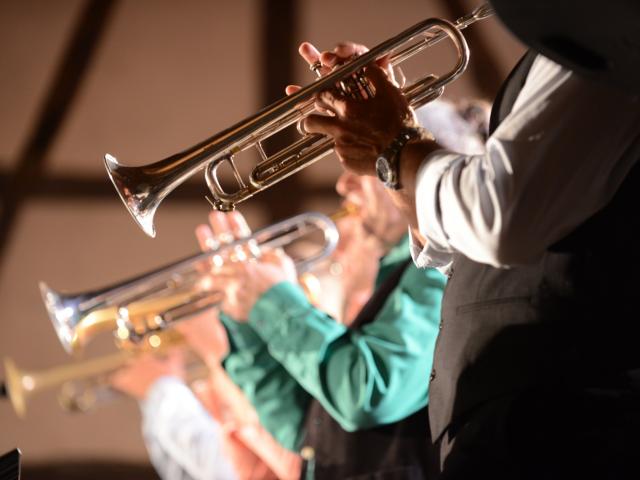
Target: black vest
column 394, row 451
column 569, row 320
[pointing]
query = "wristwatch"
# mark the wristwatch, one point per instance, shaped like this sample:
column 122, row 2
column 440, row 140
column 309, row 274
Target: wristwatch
column 388, row 163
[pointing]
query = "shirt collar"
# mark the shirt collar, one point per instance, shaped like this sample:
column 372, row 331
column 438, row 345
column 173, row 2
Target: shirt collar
column 398, row 254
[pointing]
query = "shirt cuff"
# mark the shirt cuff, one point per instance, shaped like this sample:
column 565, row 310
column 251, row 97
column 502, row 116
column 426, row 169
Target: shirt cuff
column 425, row 257
column 436, row 253
column 428, row 181
column 241, row 335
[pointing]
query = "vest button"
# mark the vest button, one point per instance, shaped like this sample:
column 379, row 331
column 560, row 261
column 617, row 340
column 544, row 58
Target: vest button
column 432, row 376
column 307, row 453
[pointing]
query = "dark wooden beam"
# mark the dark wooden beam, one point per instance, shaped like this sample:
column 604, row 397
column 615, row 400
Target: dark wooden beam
column 278, row 55
column 61, row 93
column 65, row 187
column 279, row 47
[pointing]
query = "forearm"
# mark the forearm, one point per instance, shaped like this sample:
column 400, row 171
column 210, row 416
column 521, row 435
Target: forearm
column 182, row 439
column 362, row 378
column 527, row 191
column 279, row 401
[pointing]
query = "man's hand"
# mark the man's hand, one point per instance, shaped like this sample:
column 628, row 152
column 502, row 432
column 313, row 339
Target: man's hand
column 245, row 282
column 328, row 60
column 241, row 278
column 361, row 129
column 206, row 336
column 142, row 372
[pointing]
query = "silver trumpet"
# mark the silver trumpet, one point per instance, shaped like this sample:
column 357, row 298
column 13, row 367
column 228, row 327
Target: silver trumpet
column 149, row 302
column 143, row 188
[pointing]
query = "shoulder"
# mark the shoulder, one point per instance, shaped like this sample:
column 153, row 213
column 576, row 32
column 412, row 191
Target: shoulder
column 420, row 282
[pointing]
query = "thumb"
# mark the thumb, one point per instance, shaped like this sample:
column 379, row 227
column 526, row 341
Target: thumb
column 274, row 256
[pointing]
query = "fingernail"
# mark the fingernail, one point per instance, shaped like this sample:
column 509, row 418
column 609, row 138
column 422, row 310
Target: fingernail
column 306, row 47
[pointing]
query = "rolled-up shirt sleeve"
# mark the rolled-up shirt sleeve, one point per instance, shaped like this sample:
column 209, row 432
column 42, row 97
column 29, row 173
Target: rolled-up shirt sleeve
column 554, row 161
column 184, row 442
column 280, row 402
column 363, row 377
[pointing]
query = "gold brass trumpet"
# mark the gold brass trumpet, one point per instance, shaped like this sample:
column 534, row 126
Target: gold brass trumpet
column 151, row 301
column 20, row 385
column 143, row 188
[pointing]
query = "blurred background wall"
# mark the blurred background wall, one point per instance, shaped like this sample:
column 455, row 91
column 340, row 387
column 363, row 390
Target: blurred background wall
column 143, row 79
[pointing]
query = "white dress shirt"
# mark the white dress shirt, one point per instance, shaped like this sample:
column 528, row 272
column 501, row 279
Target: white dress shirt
column 184, row 442
column 553, row 162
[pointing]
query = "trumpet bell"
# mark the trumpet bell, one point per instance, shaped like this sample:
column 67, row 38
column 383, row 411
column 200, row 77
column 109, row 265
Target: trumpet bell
column 14, row 380
column 77, row 318
column 137, row 193
column 64, row 317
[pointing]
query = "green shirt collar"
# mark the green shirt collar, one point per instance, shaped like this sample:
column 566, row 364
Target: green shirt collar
column 398, row 254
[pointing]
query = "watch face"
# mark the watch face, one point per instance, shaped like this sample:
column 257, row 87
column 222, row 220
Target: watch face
column 382, row 169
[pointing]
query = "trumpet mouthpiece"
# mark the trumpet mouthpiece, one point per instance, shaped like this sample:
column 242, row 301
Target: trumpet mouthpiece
column 345, row 210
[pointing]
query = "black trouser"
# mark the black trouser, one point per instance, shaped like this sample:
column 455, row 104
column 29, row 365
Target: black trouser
column 545, row 434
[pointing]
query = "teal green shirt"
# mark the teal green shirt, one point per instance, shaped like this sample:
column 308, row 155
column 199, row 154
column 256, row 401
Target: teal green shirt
column 290, row 352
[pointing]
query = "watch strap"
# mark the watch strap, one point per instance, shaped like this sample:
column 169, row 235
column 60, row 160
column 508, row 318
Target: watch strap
column 388, row 162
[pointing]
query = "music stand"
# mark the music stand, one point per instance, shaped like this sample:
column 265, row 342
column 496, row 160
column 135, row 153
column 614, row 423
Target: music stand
column 10, row 465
